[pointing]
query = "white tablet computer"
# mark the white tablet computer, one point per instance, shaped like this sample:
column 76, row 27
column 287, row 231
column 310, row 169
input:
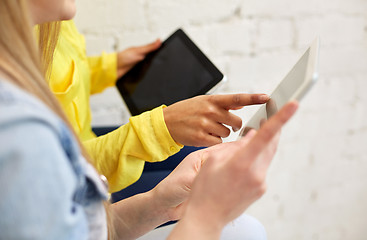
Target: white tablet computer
column 293, row 87
column 176, row 71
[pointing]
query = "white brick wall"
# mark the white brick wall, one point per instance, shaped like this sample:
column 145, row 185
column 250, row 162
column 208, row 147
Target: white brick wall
column 317, row 185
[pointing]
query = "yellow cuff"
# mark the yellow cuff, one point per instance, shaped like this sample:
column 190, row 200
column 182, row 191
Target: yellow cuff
column 110, row 63
column 103, row 70
column 161, row 131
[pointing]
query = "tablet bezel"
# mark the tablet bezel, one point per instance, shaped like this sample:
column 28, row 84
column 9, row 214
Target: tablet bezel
column 310, row 77
column 215, row 73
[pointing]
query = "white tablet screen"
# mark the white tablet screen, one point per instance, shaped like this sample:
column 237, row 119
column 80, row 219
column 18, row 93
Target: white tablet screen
column 293, row 87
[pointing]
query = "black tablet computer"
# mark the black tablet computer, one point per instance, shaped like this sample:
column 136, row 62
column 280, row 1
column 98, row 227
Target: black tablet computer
column 176, row 71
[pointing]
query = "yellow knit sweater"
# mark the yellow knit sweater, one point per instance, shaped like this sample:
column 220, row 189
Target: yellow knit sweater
column 119, row 155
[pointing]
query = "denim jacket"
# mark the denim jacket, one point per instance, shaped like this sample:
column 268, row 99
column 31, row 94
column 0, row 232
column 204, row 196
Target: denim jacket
column 47, row 189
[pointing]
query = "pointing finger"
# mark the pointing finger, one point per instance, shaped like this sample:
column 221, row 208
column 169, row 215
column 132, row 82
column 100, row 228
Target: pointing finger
column 235, row 101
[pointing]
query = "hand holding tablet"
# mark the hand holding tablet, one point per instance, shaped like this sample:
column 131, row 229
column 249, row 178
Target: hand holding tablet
column 293, row 87
column 175, row 75
column 178, row 70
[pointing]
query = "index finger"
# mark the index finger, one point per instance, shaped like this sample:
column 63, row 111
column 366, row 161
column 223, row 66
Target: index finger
column 235, row 101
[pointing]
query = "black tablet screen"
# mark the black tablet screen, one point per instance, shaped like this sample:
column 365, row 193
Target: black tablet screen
column 171, row 74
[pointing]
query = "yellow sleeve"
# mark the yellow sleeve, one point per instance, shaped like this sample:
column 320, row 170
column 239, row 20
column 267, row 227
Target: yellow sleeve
column 103, row 70
column 120, row 155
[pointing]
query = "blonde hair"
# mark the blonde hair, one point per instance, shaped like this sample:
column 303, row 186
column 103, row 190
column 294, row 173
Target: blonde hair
column 27, row 64
column 20, row 57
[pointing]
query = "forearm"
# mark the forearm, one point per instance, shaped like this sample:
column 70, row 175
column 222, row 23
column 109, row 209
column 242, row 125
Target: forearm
column 195, row 228
column 137, row 215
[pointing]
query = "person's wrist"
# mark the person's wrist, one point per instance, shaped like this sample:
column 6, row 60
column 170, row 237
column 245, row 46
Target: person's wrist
column 158, row 205
column 200, row 224
column 167, row 119
column 208, row 215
